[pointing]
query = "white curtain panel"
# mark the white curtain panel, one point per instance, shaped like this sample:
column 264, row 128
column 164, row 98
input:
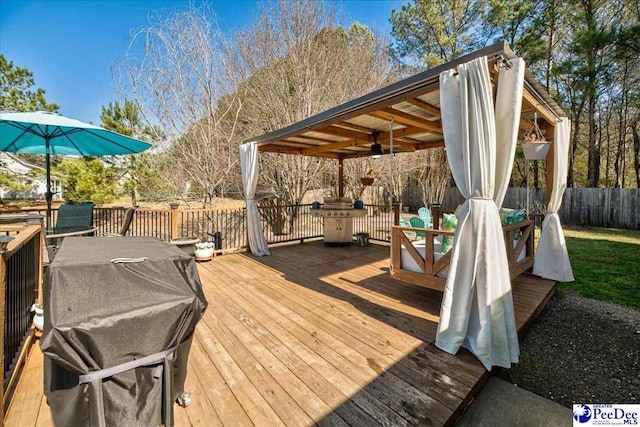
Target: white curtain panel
column 249, row 165
column 477, row 306
column 551, row 259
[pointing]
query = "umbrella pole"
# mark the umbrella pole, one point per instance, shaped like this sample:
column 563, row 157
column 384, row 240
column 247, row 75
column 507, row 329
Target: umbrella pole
column 48, row 196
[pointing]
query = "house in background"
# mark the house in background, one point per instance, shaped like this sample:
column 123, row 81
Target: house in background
column 21, row 171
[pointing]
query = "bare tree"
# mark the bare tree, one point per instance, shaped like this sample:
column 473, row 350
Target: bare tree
column 178, row 84
column 298, row 61
column 398, row 170
column 433, row 175
column 357, row 169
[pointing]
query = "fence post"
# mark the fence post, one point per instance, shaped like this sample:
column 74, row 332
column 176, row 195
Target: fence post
column 175, row 216
column 435, row 214
column 396, row 213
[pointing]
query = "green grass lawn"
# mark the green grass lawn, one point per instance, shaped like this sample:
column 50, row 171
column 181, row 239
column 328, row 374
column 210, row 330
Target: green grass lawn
column 606, row 264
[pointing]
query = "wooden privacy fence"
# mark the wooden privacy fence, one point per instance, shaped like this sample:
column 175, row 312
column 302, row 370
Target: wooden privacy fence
column 596, row 207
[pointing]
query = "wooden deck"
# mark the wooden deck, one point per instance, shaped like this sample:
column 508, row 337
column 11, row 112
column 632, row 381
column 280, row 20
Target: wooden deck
column 315, row 335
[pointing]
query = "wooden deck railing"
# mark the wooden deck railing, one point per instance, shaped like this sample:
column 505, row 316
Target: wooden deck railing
column 20, row 280
column 227, row 227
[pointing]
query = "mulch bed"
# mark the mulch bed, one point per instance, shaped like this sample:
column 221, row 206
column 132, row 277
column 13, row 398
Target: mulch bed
column 581, row 350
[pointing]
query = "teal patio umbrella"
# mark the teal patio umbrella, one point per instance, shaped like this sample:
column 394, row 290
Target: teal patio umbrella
column 48, row 133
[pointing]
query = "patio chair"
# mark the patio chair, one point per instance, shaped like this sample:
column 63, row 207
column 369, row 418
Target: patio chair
column 126, row 224
column 417, row 223
column 72, row 220
column 425, row 215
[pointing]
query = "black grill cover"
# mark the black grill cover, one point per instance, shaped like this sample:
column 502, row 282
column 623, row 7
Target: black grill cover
column 99, row 314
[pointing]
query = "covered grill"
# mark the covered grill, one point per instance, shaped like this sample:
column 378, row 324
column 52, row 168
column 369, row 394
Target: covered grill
column 119, row 319
column 338, row 214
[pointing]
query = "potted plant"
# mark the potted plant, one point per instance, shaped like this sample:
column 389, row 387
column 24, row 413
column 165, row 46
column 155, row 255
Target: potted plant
column 204, row 251
column 38, row 318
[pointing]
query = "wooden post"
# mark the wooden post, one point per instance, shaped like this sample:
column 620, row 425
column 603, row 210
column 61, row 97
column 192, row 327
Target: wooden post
column 396, row 213
column 435, row 213
column 396, row 249
column 175, row 217
column 340, row 177
column 550, row 130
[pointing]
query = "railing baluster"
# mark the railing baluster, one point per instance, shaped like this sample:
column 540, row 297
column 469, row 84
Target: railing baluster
column 22, row 263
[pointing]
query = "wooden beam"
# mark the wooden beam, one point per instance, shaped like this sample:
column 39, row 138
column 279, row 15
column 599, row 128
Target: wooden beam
column 401, row 133
column 408, row 120
column 309, row 138
column 271, row 148
column 345, row 133
column 338, row 145
column 403, row 144
column 405, row 139
column 351, row 126
column 424, row 106
column 541, row 109
column 302, row 144
column 430, row 144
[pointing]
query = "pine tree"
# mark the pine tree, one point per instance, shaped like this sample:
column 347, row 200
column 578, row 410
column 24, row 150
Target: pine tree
column 17, row 92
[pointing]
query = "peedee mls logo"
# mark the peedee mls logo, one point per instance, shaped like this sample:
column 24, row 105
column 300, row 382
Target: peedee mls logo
column 605, row 415
column 581, row 413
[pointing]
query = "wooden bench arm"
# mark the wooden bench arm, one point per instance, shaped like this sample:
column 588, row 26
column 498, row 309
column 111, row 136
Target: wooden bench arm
column 517, row 225
column 425, row 230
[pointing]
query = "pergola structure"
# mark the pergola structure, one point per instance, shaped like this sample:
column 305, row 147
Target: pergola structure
column 480, row 102
column 411, row 107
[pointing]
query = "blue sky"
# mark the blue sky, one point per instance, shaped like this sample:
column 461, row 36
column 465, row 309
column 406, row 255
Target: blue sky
column 70, row 45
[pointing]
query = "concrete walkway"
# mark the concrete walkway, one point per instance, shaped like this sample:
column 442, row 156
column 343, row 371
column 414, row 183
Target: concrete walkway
column 503, row 404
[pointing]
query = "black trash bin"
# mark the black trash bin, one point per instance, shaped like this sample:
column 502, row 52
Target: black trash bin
column 120, row 314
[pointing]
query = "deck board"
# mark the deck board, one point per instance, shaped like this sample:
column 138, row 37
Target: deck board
column 315, row 335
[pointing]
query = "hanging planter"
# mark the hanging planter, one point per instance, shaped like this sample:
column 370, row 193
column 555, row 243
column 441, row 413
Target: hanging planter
column 535, row 150
column 366, row 181
column 534, row 145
